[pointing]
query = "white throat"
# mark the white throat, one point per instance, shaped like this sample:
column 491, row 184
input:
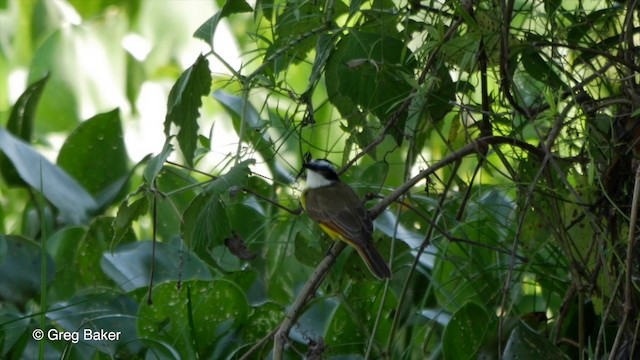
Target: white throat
column 316, row 180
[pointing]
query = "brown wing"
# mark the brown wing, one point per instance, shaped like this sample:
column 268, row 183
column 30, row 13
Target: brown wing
column 351, row 222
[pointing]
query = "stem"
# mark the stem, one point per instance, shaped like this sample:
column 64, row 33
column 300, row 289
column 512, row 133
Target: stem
column 628, row 306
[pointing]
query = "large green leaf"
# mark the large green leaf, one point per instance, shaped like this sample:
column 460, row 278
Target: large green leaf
column 63, row 246
column 206, row 222
column 21, row 272
column 206, row 225
column 351, row 323
column 236, row 177
column 71, row 199
column 103, row 311
column 128, row 265
column 526, row 344
column 185, row 100
column 13, row 324
column 20, row 124
column 95, row 153
column 195, row 319
column 181, row 189
column 470, row 323
column 369, row 71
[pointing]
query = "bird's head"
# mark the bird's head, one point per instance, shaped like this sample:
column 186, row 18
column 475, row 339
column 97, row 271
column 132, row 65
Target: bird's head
column 320, row 173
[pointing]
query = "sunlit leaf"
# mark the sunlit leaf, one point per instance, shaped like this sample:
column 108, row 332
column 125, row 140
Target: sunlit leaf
column 156, row 163
column 207, row 30
column 183, row 106
column 20, row 123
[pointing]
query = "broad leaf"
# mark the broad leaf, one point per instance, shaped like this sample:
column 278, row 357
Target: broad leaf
column 369, row 71
column 72, row 200
column 207, row 30
column 21, row 124
column 526, row 344
column 470, row 323
column 185, row 100
column 106, row 310
column 21, row 273
column 156, row 163
column 206, row 225
column 128, row 265
column 194, row 319
column 95, row 153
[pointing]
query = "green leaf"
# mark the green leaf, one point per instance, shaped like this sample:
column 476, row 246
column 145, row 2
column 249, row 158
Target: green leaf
column 156, row 163
column 351, row 322
column 235, row 106
column 128, row 265
column 95, row 153
column 263, row 319
column 182, row 189
column 207, row 30
column 267, row 8
column 129, row 211
column 172, row 320
column 470, row 323
column 21, row 272
column 63, row 246
column 368, row 71
column 541, row 69
column 104, row 310
column 86, row 255
column 324, row 47
column 205, row 225
column 294, row 36
column 14, row 324
column 526, row 344
column 235, row 178
column 72, row 200
column 185, row 100
column 21, row 124
column 22, row 113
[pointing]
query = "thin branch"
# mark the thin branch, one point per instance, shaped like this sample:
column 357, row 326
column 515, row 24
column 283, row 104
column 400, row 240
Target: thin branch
column 303, row 297
column 628, row 285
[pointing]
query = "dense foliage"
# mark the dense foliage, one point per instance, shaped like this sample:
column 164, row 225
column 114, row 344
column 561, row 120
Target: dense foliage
column 494, row 142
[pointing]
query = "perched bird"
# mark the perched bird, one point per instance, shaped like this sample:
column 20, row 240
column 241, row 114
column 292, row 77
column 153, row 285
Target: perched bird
column 340, row 213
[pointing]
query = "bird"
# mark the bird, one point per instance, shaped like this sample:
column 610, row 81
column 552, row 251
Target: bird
column 336, row 207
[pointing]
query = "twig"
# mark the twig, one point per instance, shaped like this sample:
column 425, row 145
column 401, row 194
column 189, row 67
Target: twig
column 628, row 307
column 305, row 294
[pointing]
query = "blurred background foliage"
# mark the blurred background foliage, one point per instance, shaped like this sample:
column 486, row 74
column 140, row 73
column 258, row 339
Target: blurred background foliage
column 149, row 153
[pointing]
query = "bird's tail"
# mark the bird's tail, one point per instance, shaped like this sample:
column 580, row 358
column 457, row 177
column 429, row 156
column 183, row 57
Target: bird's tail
column 374, row 261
